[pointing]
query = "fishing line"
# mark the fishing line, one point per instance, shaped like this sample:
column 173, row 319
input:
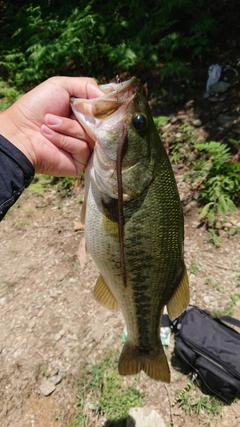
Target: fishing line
column 120, row 203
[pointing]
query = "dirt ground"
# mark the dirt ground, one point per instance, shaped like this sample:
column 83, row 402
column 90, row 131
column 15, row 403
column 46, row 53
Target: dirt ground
column 50, row 324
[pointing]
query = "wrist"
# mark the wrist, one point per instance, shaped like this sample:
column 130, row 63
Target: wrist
column 10, row 130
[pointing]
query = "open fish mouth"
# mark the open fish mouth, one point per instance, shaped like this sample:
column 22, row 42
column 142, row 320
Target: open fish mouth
column 88, row 111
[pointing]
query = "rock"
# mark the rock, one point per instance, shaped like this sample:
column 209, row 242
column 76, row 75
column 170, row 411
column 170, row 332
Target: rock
column 59, row 335
column 178, row 135
column 144, row 417
column 225, row 118
column 97, row 333
column 55, row 379
column 47, row 387
column 219, row 87
column 78, row 226
column 174, row 120
column 32, row 323
column 189, row 206
column 216, row 99
column 227, row 225
column 206, row 300
column 197, row 123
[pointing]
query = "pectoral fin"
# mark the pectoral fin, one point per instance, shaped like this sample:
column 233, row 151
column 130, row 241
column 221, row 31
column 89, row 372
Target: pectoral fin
column 180, row 299
column 104, row 296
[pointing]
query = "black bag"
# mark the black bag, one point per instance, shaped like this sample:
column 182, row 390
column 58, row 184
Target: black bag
column 211, row 349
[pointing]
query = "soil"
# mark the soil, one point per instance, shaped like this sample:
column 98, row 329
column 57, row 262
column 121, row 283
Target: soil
column 51, row 327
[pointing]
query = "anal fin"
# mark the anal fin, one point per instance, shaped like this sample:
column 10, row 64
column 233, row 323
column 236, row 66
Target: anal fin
column 104, row 296
column 180, row 299
column 133, row 360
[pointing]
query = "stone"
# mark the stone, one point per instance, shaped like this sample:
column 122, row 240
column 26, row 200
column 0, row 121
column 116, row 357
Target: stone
column 189, row 206
column 219, row 87
column 197, row 123
column 47, row 387
column 227, row 225
column 144, row 417
column 206, row 300
column 32, row 323
column 55, row 379
column 78, row 226
column 59, row 335
column 97, row 333
column 178, row 135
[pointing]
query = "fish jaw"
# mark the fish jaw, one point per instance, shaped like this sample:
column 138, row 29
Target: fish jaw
column 104, row 119
column 91, row 112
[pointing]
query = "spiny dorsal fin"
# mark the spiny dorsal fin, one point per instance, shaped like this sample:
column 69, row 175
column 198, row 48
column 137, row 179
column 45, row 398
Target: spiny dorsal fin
column 104, row 296
column 180, row 299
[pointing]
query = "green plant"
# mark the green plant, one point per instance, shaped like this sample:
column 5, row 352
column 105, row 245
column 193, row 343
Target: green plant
column 193, row 268
column 229, row 307
column 8, row 95
column 97, row 39
column 194, row 403
column 63, row 185
column 160, row 121
column 220, row 187
column 102, row 389
column 213, row 237
column 183, row 148
column 45, row 373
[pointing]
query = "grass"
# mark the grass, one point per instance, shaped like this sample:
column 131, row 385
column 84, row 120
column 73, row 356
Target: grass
column 102, row 392
column 194, row 268
column 8, row 95
column 214, row 285
column 160, row 121
column 229, row 307
column 214, row 238
column 195, row 403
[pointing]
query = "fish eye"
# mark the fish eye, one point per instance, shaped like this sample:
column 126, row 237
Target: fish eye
column 139, row 122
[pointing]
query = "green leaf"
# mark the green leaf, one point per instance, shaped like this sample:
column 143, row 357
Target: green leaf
column 222, row 205
column 211, row 217
column 205, row 210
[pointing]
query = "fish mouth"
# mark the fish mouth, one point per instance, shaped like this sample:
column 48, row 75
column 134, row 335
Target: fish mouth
column 90, row 111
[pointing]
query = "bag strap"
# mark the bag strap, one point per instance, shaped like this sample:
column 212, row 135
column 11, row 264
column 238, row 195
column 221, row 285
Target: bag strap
column 231, row 320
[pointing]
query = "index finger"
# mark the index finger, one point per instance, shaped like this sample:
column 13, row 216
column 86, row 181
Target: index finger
column 79, row 87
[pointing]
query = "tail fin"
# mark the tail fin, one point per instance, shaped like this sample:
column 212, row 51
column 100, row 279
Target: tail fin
column 133, row 360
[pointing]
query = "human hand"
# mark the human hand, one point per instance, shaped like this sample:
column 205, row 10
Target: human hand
column 41, row 125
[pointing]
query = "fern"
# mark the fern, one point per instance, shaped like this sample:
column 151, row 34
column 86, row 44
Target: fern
column 95, row 38
column 220, row 189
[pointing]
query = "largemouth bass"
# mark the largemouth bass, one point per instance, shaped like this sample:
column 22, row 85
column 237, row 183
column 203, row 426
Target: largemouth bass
column 133, row 222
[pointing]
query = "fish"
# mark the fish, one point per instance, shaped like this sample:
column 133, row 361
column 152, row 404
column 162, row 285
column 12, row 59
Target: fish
column 134, row 226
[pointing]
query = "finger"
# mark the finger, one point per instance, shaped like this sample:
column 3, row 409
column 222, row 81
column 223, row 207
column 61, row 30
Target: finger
column 77, row 148
column 82, row 87
column 68, row 127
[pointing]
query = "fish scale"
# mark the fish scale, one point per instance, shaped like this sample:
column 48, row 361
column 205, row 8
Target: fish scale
column 153, row 231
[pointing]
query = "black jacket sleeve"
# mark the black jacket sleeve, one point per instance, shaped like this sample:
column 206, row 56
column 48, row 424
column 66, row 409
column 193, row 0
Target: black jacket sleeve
column 16, row 173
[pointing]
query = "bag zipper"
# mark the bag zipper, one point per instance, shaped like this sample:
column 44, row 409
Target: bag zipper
column 198, row 373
